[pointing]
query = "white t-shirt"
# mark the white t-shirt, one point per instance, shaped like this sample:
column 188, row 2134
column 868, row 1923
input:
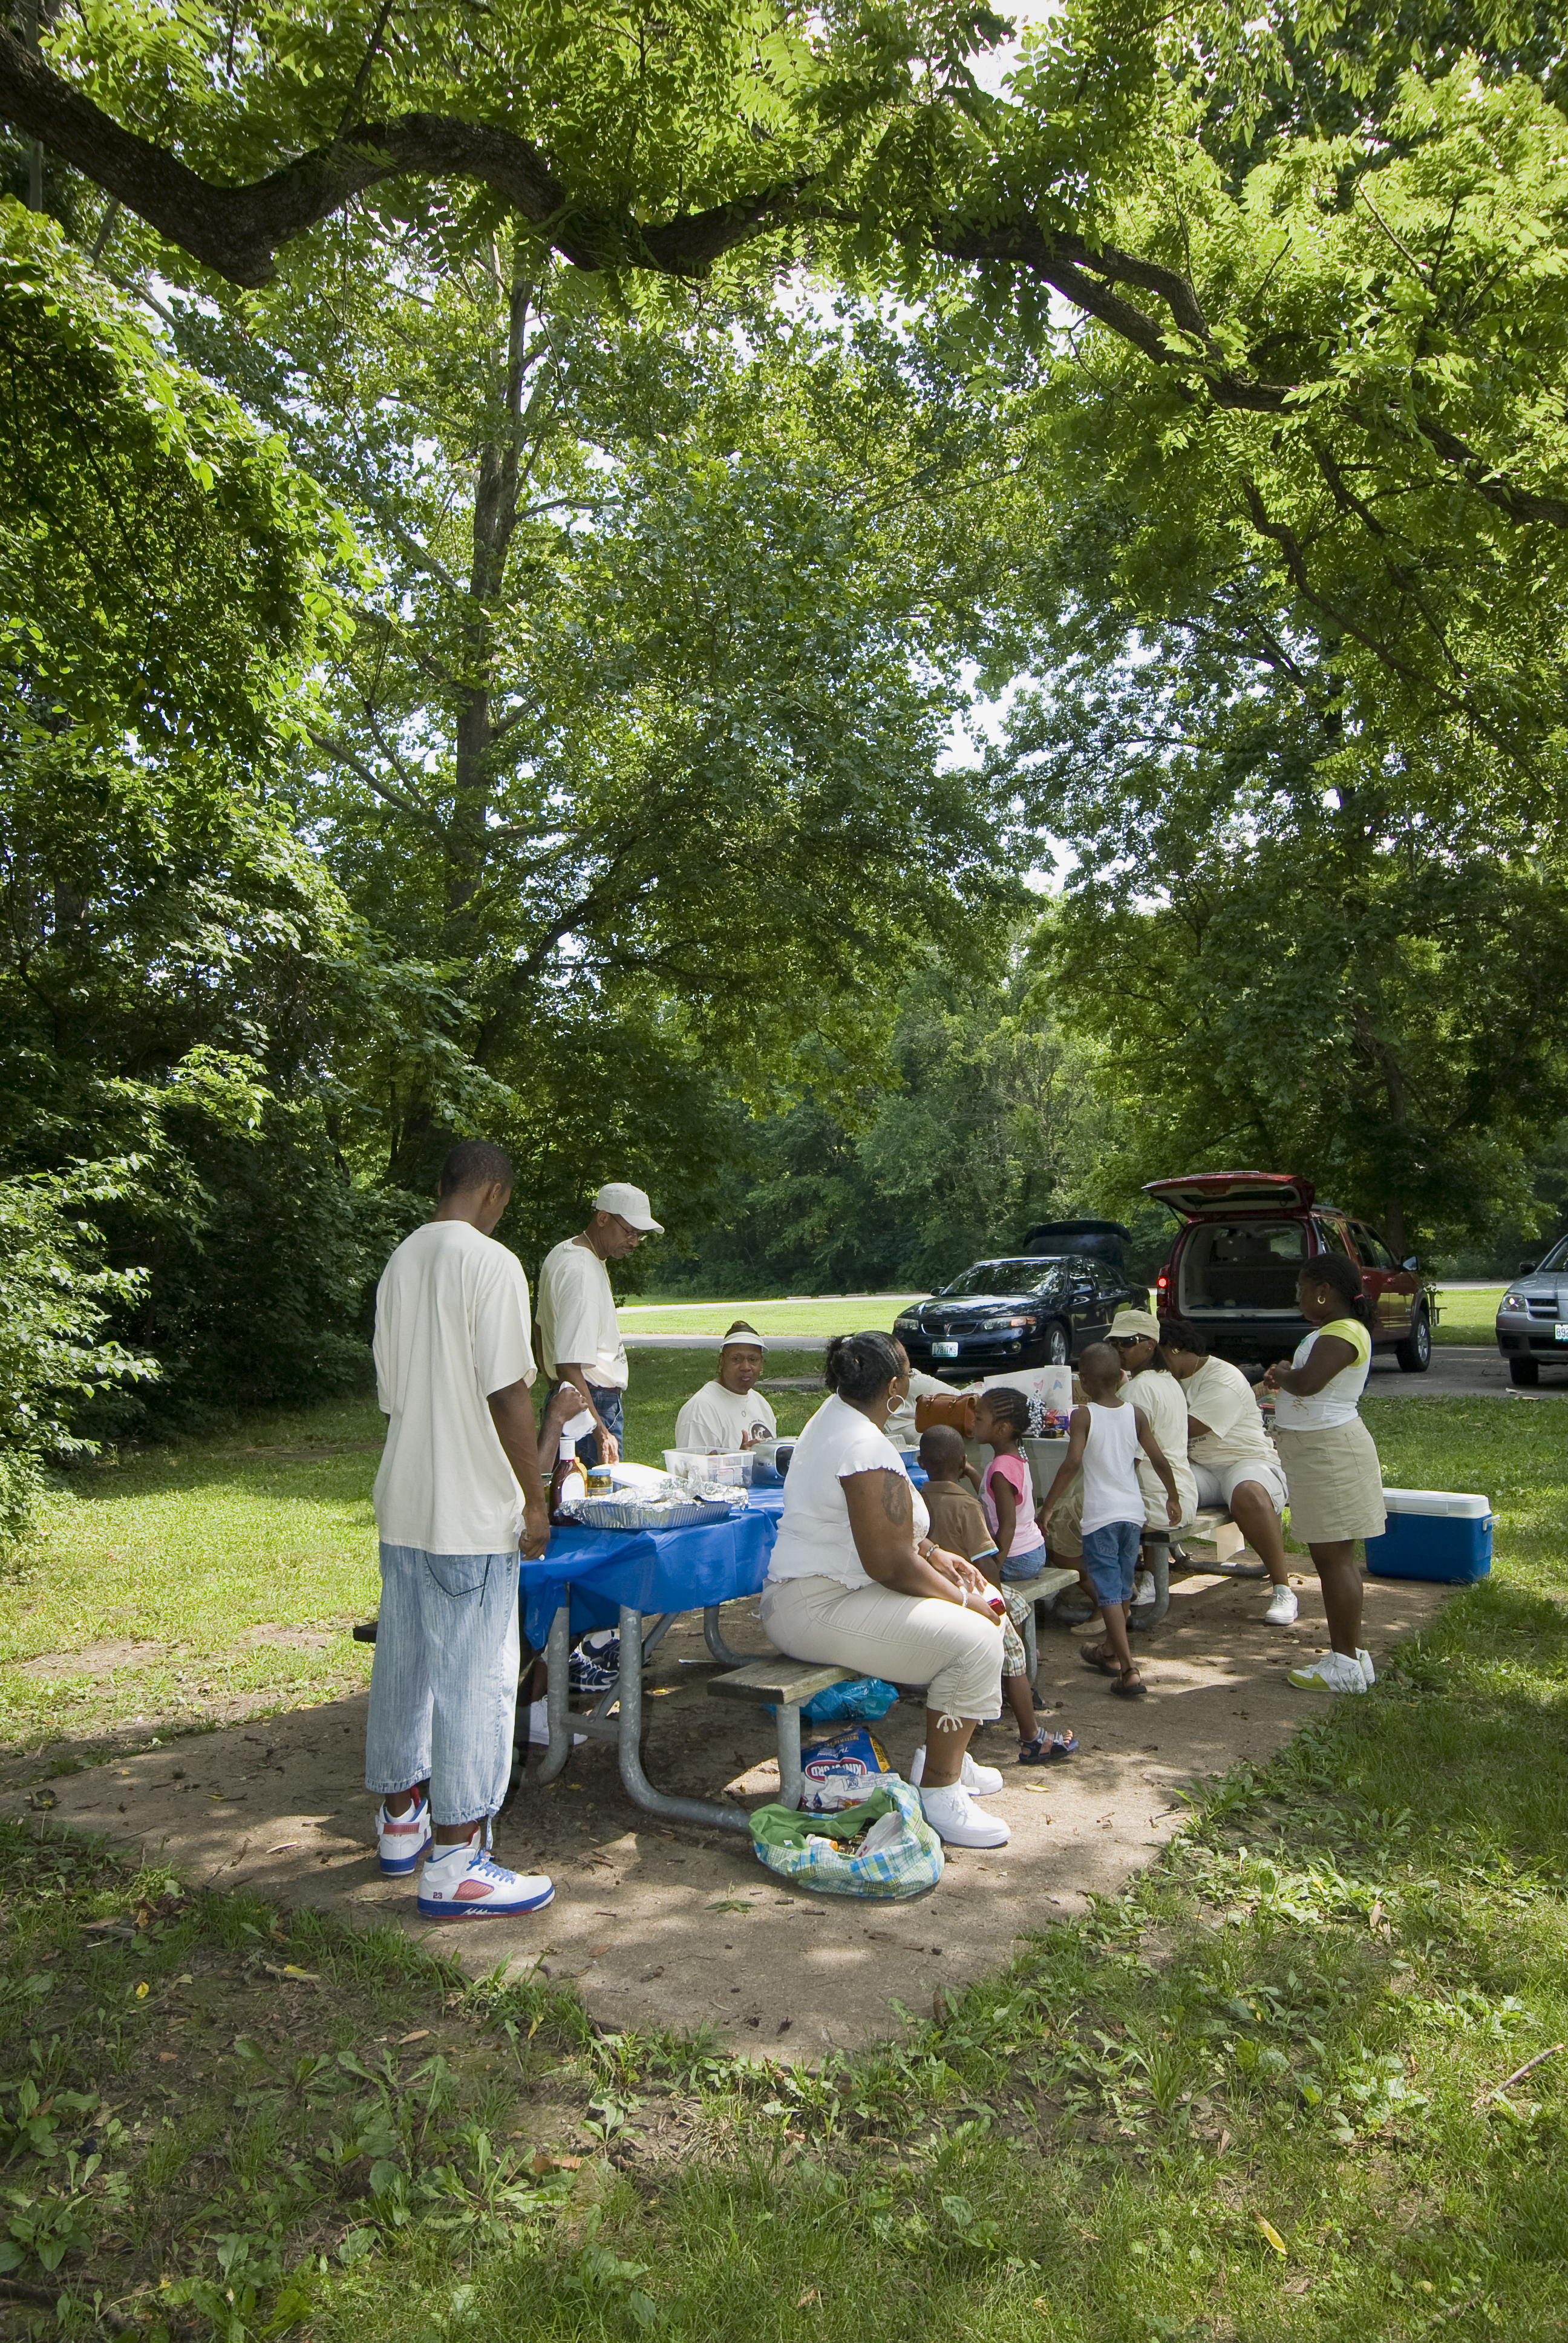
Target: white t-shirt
column 1111, row 1490
column 1219, row 1396
column 451, row 1327
column 578, row 1325
column 716, row 1418
column 1336, row 1403
column 815, row 1540
column 1163, row 1401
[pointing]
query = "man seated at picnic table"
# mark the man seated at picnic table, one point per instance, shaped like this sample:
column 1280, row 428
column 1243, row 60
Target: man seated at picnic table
column 729, row 1414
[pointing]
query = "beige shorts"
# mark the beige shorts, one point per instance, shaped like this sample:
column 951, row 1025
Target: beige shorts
column 1335, row 1483
column 908, row 1639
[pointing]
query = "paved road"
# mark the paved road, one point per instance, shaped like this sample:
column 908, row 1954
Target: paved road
column 1457, row 1371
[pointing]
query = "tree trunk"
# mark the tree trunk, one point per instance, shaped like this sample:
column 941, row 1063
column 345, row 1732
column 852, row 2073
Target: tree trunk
column 495, row 519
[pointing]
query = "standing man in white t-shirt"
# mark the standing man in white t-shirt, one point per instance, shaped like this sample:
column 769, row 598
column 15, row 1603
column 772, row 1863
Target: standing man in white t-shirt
column 459, row 1479
column 580, row 1335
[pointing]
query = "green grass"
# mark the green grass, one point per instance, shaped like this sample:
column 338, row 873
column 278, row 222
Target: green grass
column 1469, row 1317
column 1309, row 2015
column 195, row 1560
column 829, row 1315
column 1465, row 1317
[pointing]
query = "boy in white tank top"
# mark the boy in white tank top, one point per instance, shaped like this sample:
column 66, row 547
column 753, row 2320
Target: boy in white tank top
column 1103, row 1441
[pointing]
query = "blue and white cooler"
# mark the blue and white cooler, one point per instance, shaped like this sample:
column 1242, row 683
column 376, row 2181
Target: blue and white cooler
column 1436, row 1533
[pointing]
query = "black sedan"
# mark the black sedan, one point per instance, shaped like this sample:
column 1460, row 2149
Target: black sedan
column 1029, row 1310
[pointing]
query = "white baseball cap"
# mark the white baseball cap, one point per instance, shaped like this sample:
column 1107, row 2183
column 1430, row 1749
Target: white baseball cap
column 630, row 1205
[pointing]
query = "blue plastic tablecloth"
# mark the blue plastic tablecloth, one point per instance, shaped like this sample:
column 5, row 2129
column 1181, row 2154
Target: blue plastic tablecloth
column 651, row 1571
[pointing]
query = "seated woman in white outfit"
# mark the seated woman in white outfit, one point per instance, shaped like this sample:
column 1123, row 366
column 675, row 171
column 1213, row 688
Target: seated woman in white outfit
column 727, row 1414
column 1234, row 1462
column 856, row 1579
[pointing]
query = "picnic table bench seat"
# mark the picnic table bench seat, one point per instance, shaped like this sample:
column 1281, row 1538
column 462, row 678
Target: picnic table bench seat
column 783, row 1685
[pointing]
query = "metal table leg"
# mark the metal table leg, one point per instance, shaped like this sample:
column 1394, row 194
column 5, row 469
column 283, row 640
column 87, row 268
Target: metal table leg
column 715, row 1644
column 557, row 1656
column 639, row 1788
column 637, row 1647
column 791, row 1784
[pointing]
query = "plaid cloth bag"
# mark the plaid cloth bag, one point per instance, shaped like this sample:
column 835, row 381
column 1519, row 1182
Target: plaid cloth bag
column 793, row 1845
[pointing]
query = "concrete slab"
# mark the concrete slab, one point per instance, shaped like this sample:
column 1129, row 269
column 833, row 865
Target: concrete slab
column 657, row 1926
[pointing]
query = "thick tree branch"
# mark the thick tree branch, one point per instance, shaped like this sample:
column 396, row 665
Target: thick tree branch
column 236, row 231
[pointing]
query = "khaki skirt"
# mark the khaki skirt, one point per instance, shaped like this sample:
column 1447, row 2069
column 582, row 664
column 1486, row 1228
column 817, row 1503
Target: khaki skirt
column 1336, row 1484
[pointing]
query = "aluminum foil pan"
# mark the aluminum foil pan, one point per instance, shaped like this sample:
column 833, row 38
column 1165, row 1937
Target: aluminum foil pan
column 629, row 1512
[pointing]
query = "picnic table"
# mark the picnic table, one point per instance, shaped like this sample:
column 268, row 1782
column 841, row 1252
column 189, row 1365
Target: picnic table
column 641, row 1581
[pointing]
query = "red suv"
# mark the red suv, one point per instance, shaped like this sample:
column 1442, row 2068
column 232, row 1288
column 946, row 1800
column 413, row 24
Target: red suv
column 1245, row 1238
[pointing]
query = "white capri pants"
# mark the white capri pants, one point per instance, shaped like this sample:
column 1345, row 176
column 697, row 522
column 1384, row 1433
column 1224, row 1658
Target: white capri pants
column 1218, row 1483
column 908, row 1639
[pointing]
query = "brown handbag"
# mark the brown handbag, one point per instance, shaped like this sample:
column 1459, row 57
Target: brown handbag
column 957, row 1408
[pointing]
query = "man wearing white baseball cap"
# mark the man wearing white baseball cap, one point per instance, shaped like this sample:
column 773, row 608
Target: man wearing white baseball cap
column 580, row 1347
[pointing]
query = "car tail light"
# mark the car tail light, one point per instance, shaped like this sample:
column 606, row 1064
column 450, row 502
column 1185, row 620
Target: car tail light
column 1162, row 1282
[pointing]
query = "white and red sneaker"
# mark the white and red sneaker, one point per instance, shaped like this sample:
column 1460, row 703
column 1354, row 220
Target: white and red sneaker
column 461, row 1883
column 401, row 1839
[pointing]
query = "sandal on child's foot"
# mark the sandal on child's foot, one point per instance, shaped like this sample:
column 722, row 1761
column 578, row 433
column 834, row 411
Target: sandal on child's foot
column 1099, row 1657
column 1048, row 1749
column 1129, row 1685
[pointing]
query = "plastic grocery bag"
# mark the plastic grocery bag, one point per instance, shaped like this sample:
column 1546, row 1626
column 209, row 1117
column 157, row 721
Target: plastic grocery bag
column 806, row 1847
column 862, row 1701
column 840, row 1773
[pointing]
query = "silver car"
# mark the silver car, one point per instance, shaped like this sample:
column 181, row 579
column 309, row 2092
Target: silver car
column 1532, row 1323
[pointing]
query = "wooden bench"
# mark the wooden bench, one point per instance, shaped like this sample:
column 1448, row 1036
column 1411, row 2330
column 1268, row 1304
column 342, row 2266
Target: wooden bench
column 784, row 1684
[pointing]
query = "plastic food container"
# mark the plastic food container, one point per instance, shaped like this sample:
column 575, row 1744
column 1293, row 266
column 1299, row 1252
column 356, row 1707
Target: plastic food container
column 1434, row 1533
column 735, row 1466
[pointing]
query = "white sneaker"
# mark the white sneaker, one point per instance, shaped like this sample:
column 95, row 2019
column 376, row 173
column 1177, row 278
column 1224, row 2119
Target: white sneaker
column 959, row 1822
column 1367, row 1669
column 1283, row 1608
column 461, row 1883
column 1143, row 1590
column 979, row 1781
column 401, row 1839
column 1331, row 1672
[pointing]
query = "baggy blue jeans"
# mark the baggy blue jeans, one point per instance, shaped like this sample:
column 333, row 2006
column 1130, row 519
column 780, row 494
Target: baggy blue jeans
column 444, row 1682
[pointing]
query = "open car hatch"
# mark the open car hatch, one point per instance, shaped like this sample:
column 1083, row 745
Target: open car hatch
column 1199, row 1193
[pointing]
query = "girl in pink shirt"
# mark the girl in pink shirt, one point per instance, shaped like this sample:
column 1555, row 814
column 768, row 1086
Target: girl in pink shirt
column 1007, row 1492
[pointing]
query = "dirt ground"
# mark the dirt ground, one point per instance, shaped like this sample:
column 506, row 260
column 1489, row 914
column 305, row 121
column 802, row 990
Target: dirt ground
column 661, row 1927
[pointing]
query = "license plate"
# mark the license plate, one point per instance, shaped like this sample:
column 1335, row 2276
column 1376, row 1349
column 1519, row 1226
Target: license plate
column 1562, row 1332
column 950, row 1350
